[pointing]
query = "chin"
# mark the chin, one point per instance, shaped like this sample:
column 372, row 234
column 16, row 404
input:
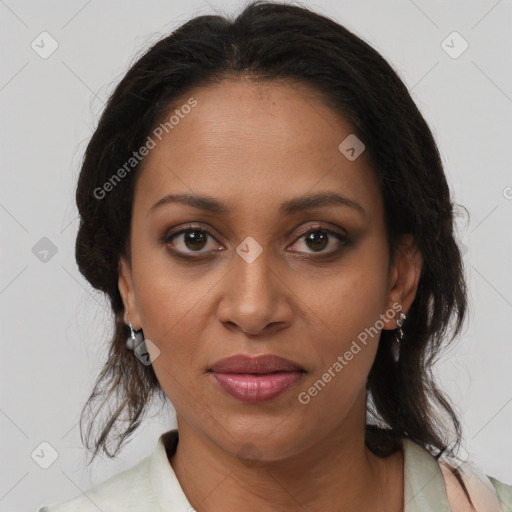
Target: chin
column 261, row 440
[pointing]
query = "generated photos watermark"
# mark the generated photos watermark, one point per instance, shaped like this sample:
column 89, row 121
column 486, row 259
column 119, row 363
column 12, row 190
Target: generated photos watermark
column 305, row 397
column 151, row 143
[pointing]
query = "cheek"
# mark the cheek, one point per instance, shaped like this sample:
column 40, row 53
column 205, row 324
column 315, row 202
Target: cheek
column 168, row 308
column 349, row 302
column 348, row 308
column 345, row 352
column 167, row 293
column 176, row 311
column 171, row 321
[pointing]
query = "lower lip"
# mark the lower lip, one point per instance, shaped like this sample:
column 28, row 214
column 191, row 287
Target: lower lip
column 253, row 388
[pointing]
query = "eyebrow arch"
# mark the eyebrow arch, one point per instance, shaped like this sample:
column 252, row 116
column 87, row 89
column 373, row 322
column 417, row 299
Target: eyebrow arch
column 210, row 204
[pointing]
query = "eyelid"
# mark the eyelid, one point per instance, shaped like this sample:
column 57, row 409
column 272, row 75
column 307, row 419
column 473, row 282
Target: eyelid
column 321, row 227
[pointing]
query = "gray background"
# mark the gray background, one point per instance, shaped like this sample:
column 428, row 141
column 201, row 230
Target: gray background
column 54, row 326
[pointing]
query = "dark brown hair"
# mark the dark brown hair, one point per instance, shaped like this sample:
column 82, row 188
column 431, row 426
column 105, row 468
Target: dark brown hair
column 270, row 41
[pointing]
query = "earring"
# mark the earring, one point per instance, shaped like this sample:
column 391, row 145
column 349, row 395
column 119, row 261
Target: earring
column 399, row 336
column 136, row 337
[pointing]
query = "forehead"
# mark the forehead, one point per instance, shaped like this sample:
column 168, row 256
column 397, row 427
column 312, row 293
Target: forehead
column 254, row 143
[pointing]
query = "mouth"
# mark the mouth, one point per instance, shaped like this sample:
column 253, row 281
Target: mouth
column 256, row 379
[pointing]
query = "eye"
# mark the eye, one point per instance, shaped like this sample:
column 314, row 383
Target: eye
column 192, row 238
column 318, row 238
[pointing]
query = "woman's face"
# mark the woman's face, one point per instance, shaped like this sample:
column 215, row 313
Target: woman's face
column 257, row 282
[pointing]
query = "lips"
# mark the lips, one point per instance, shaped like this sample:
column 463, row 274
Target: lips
column 255, row 379
column 266, row 363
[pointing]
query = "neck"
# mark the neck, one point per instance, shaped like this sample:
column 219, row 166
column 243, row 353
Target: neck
column 338, row 469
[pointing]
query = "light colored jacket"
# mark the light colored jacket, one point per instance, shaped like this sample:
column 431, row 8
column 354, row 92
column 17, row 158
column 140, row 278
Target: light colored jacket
column 152, row 486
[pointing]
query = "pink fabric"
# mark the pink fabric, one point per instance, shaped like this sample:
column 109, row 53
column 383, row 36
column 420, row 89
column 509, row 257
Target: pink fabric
column 480, row 488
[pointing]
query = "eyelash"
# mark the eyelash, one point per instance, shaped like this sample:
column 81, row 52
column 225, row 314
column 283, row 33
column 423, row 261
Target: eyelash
column 166, row 240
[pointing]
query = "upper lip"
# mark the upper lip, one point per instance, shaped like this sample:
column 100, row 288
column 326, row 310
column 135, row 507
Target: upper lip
column 266, row 363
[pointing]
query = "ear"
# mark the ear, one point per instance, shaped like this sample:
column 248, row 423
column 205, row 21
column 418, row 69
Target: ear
column 403, row 279
column 126, row 289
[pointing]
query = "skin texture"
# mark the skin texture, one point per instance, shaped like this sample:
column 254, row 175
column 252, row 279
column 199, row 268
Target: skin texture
column 253, row 146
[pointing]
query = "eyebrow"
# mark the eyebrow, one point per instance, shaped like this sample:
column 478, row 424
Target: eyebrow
column 210, row 204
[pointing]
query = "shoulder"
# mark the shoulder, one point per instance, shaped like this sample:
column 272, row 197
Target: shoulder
column 487, row 493
column 128, row 491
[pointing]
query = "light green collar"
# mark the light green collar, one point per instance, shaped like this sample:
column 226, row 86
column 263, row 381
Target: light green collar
column 424, row 489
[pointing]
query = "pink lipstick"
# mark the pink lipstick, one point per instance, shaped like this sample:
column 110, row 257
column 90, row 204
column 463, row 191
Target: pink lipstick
column 255, row 379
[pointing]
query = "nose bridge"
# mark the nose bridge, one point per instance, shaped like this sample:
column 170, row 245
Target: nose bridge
column 252, row 271
column 251, row 297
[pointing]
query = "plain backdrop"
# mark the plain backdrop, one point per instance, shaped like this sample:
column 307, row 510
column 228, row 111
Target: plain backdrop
column 54, row 326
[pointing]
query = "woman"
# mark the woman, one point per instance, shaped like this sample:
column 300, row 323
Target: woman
column 267, row 211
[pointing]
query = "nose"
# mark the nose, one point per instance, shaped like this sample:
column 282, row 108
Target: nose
column 255, row 298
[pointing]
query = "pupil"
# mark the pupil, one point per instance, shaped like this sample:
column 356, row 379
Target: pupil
column 194, row 239
column 317, row 237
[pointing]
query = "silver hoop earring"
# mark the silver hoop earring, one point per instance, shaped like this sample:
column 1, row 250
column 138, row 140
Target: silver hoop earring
column 136, row 337
column 399, row 336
